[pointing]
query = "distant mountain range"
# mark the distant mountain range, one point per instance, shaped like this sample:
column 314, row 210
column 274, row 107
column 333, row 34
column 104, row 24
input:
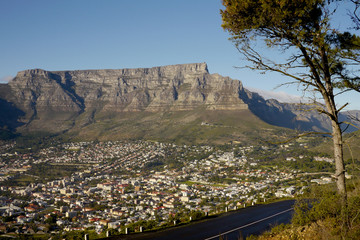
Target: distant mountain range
column 158, row 102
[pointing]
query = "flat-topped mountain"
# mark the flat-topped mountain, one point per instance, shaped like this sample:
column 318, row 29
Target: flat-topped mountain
column 99, row 101
column 177, row 87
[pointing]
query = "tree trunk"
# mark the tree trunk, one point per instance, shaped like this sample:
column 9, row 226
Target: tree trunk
column 340, row 172
column 339, row 158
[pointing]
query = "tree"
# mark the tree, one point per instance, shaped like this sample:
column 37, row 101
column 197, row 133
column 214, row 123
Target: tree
column 320, row 58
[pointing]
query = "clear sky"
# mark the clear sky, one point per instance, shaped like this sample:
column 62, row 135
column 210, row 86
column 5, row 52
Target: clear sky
column 113, row 34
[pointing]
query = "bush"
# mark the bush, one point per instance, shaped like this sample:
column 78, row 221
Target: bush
column 325, row 207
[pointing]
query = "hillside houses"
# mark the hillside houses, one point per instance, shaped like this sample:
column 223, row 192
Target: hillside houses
column 125, row 182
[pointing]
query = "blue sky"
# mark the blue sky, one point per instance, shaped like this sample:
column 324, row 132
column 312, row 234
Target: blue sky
column 113, row 34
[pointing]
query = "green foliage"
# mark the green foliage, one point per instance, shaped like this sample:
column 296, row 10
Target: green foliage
column 8, row 218
column 157, row 165
column 97, row 207
column 325, row 205
column 51, row 220
column 272, row 18
column 307, row 211
column 353, row 212
column 308, row 165
column 223, row 180
column 147, row 225
column 196, row 215
column 33, row 142
column 75, row 235
column 6, row 134
column 279, row 228
column 325, row 52
column 39, row 173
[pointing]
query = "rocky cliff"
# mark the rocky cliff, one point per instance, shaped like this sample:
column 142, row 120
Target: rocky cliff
column 61, row 100
column 176, row 87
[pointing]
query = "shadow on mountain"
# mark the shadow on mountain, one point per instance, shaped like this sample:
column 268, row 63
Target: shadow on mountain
column 286, row 115
column 9, row 119
column 68, row 87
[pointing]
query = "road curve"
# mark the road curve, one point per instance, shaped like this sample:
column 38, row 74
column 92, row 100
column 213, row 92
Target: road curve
column 230, row 226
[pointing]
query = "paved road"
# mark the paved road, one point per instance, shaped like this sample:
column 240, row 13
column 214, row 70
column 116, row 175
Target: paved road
column 252, row 220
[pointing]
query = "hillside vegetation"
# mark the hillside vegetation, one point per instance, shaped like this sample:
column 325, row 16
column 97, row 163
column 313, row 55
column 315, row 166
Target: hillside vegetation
column 351, row 151
column 198, row 126
column 322, row 216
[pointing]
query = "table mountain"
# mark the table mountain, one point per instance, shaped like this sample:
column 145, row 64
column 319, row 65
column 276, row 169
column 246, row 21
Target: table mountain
column 100, row 101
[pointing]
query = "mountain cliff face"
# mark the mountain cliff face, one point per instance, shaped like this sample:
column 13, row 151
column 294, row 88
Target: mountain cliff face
column 177, row 87
column 57, row 101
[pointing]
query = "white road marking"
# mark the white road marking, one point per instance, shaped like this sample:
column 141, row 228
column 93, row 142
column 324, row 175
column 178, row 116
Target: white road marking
column 249, row 224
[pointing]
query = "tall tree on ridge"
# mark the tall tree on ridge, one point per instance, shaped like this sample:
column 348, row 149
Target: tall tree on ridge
column 321, row 58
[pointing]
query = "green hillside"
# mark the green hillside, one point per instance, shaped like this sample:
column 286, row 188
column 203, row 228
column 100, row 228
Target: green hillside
column 351, row 146
column 197, row 126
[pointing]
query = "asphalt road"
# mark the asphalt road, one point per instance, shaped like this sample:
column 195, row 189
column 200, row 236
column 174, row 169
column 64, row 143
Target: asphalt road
column 230, row 226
